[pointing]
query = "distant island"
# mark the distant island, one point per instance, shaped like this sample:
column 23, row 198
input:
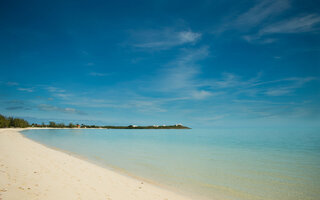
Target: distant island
column 11, row 122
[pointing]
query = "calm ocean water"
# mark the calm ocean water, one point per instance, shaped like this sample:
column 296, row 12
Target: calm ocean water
column 217, row 164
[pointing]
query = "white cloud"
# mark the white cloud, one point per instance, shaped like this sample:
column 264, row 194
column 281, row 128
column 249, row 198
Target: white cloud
column 136, row 103
column 97, row 74
column 26, row 89
column 289, row 85
column 201, row 94
column 262, row 21
column 256, row 39
column 70, row 110
column 46, row 107
column 188, row 36
column 54, row 89
column 228, row 80
column 164, row 39
column 255, row 86
column 62, row 95
column 294, row 25
column 260, row 12
column 278, row 91
column 255, row 16
column 180, row 75
column 177, row 79
column 57, row 92
column 303, row 24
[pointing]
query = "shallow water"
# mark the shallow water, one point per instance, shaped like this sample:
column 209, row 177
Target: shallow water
column 217, row 164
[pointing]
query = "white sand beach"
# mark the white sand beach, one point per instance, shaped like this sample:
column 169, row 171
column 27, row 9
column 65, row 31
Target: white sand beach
column 29, row 170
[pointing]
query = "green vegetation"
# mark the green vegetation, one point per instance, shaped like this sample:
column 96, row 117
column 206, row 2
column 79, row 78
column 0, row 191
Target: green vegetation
column 10, row 122
column 147, row 127
column 55, row 125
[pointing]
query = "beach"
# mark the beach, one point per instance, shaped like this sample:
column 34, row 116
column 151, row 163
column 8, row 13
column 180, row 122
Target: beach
column 29, row 170
column 54, row 163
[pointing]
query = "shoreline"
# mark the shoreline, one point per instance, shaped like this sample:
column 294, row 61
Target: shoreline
column 30, row 170
column 92, row 161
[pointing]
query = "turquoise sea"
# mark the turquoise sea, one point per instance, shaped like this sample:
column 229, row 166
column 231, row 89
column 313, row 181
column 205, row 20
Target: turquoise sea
column 213, row 164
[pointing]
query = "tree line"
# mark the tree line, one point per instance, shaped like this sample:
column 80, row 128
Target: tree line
column 56, row 125
column 11, row 122
column 8, row 122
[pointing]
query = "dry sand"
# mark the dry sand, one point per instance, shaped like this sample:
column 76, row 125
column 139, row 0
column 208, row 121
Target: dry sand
column 29, row 170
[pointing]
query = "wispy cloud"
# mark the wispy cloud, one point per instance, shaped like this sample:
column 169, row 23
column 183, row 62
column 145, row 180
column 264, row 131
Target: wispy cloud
column 278, row 91
column 58, row 92
column 201, row 94
column 17, row 108
column 182, row 78
column 211, row 119
column 275, row 109
column 12, row 83
column 181, row 72
column 254, row 16
column 255, row 86
column 17, row 105
column 62, row 95
column 228, row 80
column 147, row 105
column 26, row 89
column 291, row 84
column 177, row 91
column 46, row 107
column 260, row 23
column 188, row 36
column 90, row 64
column 164, row 39
column 54, row 89
column 141, row 104
column 260, row 12
column 302, row 24
column 97, row 74
column 180, row 75
column 257, row 39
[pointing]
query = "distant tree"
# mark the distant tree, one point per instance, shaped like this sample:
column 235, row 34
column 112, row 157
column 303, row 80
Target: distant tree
column 4, row 122
column 52, row 124
column 60, row 125
column 17, row 122
column 71, row 125
column 12, row 122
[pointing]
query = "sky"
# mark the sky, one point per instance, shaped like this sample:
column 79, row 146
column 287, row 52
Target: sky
column 222, row 63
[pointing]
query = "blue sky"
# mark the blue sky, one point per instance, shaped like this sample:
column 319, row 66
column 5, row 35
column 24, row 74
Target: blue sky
column 200, row 63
